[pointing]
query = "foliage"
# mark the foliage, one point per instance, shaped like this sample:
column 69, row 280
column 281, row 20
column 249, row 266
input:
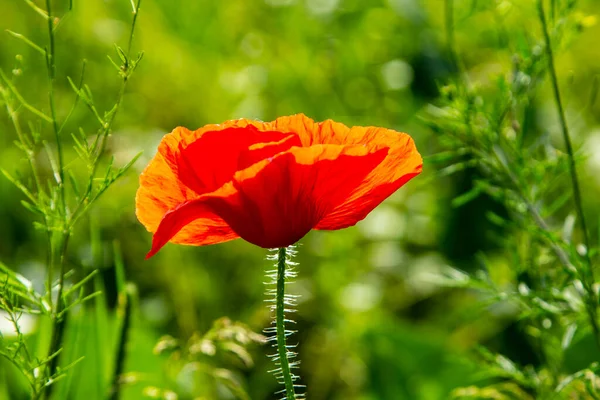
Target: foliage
column 477, row 283
column 192, row 368
column 552, row 281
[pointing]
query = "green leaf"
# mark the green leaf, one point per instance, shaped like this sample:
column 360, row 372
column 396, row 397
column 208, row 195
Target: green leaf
column 467, row 197
column 27, row 41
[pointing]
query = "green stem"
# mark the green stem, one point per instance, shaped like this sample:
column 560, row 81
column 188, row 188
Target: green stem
column 51, row 65
column 589, row 280
column 87, row 198
column 136, row 10
column 567, row 137
column 280, row 323
column 58, row 321
column 449, row 17
column 115, row 391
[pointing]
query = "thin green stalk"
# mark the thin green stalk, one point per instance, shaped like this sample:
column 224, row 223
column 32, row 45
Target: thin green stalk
column 51, row 66
column 566, row 137
column 30, row 152
column 449, row 17
column 449, row 21
column 37, row 9
column 76, row 98
column 106, row 129
column 280, row 323
column 58, row 321
column 590, row 279
column 50, row 264
column 135, row 10
column 115, row 392
column 560, row 253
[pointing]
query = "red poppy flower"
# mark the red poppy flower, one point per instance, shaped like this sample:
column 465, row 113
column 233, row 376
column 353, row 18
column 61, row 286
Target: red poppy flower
column 269, row 182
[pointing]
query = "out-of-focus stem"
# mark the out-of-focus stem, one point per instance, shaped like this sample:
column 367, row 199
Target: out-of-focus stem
column 58, row 317
column 588, row 279
column 51, row 66
column 106, row 129
column 115, row 391
column 449, row 17
column 58, row 322
column 567, row 138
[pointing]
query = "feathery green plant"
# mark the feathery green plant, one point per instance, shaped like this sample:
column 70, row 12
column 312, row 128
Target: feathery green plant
column 490, row 130
column 206, row 362
column 60, row 202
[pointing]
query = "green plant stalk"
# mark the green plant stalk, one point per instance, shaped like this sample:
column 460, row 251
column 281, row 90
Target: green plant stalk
column 136, row 11
column 58, row 323
column 21, row 136
column 87, row 197
column 68, row 222
column 280, row 323
column 51, row 66
column 449, row 21
column 566, row 137
column 560, row 253
column 30, row 153
column 589, row 280
column 115, row 391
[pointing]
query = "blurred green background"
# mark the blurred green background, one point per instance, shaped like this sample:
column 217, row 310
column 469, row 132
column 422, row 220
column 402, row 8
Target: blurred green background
column 373, row 321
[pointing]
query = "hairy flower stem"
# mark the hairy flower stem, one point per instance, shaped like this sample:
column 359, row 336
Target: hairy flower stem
column 589, row 280
column 280, row 323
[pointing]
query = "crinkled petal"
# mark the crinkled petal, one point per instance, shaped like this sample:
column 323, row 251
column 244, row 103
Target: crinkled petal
column 309, row 131
column 211, row 160
column 277, row 201
column 403, row 162
column 160, row 191
column 230, row 211
column 197, row 213
column 261, row 151
column 190, row 163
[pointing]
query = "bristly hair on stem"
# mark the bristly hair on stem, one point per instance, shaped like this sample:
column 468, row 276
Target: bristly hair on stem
column 282, row 304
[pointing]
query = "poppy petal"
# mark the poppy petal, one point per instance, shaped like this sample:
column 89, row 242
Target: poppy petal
column 192, row 162
column 403, row 162
column 309, row 131
column 277, row 201
column 211, row 160
column 261, row 151
column 196, row 213
column 160, row 190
